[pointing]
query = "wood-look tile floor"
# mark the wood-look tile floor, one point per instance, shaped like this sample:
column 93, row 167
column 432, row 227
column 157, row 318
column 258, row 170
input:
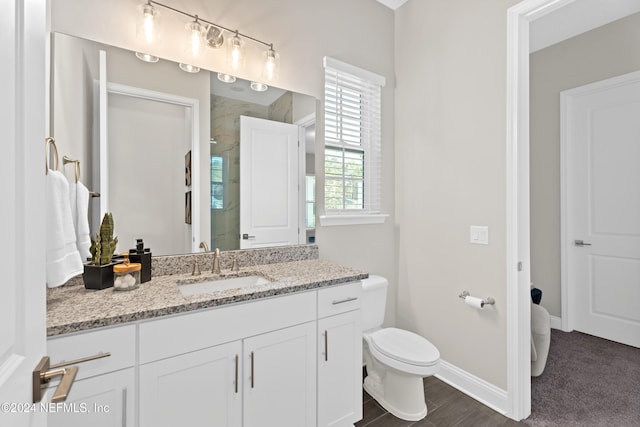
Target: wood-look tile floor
column 446, row 406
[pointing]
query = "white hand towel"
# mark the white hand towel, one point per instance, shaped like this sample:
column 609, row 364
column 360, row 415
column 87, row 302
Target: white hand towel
column 79, row 201
column 63, row 259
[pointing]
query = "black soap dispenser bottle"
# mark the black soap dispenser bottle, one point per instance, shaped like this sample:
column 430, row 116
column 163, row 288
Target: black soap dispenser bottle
column 142, row 255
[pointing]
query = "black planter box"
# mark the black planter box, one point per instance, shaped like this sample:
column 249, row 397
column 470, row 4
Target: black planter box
column 98, row 276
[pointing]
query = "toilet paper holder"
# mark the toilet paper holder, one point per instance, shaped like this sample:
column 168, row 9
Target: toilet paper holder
column 485, row 301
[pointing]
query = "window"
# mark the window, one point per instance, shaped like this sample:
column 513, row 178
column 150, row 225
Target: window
column 310, row 211
column 352, row 156
column 217, row 182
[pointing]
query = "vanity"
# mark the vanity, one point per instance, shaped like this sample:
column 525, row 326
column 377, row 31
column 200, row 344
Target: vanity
column 283, row 353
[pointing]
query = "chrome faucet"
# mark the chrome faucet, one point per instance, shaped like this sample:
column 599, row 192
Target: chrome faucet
column 215, row 268
column 204, row 246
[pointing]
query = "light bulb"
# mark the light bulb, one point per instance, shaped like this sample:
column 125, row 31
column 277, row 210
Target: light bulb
column 148, row 23
column 235, row 53
column 270, row 64
column 194, row 31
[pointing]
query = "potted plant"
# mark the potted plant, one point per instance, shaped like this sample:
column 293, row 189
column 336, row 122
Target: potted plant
column 98, row 274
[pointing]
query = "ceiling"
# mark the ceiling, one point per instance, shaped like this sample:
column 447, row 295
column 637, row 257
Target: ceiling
column 576, row 18
column 393, row 4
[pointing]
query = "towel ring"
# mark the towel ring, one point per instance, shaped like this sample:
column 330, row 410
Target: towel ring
column 66, row 160
column 49, row 141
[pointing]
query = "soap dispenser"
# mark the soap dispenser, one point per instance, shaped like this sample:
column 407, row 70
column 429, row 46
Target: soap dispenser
column 142, row 255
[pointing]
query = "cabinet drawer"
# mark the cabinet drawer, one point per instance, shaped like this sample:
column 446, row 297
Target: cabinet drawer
column 339, row 299
column 119, row 341
column 188, row 332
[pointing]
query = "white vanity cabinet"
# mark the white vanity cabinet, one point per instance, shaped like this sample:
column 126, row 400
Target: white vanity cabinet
column 189, row 373
column 104, row 393
column 339, row 356
column 292, row 360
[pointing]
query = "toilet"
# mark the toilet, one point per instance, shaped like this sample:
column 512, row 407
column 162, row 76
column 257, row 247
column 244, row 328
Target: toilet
column 396, row 360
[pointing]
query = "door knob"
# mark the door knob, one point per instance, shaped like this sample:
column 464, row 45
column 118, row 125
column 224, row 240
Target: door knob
column 44, row 371
column 42, row 374
column 581, row 243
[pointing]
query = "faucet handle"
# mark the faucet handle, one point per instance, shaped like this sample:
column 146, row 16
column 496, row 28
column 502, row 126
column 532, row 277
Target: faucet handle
column 196, row 268
column 234, row 264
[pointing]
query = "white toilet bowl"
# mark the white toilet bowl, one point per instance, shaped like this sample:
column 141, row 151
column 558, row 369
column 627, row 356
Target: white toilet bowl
column 396, row 360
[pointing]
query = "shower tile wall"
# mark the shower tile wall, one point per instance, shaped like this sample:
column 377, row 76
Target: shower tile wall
column 225, row 130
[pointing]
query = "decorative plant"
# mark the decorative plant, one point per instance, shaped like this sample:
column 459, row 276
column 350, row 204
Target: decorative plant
column 104, row 245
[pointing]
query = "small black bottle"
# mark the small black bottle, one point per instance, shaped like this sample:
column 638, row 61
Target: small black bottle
column 142, row 255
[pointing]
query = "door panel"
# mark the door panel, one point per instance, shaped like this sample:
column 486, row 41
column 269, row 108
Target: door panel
column 602, row 133
column 23, row 211
column 269, row 194
column 280, row 378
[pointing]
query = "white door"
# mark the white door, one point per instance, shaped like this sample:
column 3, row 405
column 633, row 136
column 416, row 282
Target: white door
column 602, row 232
column 22, row 224
column 269, row 194
column 280, row 378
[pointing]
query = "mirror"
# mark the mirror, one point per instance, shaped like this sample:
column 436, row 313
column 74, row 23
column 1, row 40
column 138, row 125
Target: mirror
column 162, row 146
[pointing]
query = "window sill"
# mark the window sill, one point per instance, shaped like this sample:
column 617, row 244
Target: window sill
column 331, row 220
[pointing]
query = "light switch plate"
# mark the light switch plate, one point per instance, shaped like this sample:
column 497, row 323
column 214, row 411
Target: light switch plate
column 479, row 235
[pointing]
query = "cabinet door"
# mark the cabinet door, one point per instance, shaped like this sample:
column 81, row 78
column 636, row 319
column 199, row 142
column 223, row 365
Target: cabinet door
column 340, row 370
column 280, row 378
column 106, row 400
column 193, row 389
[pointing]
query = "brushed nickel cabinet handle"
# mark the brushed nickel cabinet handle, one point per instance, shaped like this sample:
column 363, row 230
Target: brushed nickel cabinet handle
column 252, row 374
column 342, row 301
column 236, row 373
column 326, row 346
column 124, row 407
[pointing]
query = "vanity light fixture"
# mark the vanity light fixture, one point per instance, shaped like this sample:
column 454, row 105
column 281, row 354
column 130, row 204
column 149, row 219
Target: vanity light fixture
column 259, row 87
column 147, row 24
column 214, row 37
column 195, row 37
column 189, row 68
column 146, row 57
column 271, row 59
column 226, row 78
column 201, row 31
column 236, row 48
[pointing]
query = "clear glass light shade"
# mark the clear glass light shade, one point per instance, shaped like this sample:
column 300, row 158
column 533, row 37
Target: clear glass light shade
column 195, row 38
column 148, row 24
column 226, row 78
column 236, row 52
column 146, row 57
column 189, row 68
column 259, row 87
column 270, row 66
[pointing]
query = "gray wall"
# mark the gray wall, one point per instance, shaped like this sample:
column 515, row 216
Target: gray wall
column 302, row 32
column 605, row 52
column 450, row 174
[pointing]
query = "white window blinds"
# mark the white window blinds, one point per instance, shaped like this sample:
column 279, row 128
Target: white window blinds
column 352, row 139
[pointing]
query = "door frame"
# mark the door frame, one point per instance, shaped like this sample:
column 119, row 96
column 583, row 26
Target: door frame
column 150, row 95
column 303, row 123
column 518, row 262
column 567, row 310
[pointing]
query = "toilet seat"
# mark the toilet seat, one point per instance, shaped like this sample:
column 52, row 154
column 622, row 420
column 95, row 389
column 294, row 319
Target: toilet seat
column 404, row 351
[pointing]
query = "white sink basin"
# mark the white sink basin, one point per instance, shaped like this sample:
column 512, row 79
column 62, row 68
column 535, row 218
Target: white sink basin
column 212, row 286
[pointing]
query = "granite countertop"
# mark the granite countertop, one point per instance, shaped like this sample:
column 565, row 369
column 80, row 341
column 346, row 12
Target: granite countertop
column 72, row 308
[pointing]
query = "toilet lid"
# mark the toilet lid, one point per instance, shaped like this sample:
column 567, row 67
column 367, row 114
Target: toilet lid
column 405, row 346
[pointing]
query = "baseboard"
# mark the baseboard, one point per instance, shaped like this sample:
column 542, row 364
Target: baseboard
column 477, row 388
column 556, row 322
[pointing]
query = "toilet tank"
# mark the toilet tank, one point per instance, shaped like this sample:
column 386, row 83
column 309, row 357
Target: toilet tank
column 374, row 298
